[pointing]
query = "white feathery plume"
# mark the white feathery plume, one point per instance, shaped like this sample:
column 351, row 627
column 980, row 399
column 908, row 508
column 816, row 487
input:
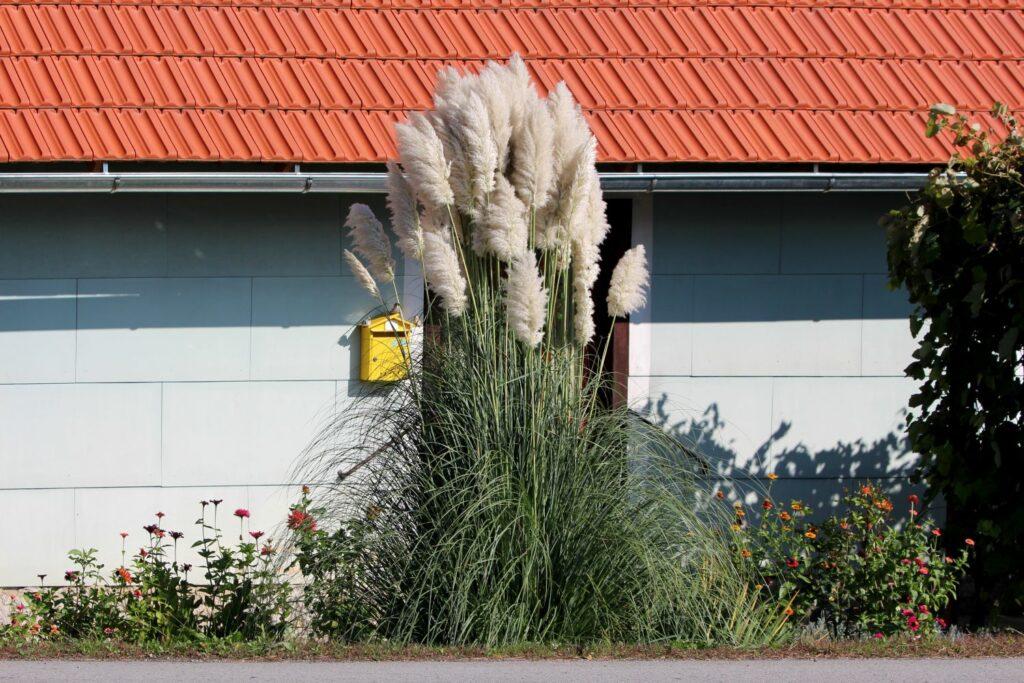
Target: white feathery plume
column 571, row 131
column 628, row 289
column 503, row 229
column 423, row 158
column 533, row 162
column 371, row 242
column 362, row 275
column 585, row 258
column 405, row 220
column 500, row 99
column 442, row 271
column 481, row 149
column 526, row 299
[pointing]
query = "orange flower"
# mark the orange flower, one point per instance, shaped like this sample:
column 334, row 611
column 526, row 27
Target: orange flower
column 789, row 611
column 767, row 504
column 53, row 629
column 796, row 505
column 745, row 553
column 785, row 516
column 125, row 575
column 740, row 513
column 773, row 476
column 810, row 534
column 719, row 495
column 969, row 541
column 866, row 490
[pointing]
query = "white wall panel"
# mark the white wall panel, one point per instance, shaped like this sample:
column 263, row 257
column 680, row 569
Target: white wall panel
column 54, row 435
column 37, row 331
column 37, row 528
column 671, row 304
column 243, row 235
column 777, row 325
column 887, row 345
column 153, row 329
column 726, row 419
column 236, row 433
column 840, row 426
column 724, row 233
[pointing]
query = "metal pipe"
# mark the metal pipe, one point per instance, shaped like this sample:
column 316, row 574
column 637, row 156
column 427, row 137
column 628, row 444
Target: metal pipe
column 301, row 182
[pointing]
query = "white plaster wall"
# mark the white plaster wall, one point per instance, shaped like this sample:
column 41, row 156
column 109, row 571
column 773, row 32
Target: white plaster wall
column 771, row 340
column 159, row 350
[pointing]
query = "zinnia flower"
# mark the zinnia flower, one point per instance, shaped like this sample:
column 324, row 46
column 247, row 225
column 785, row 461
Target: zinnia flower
column 299, row 520
column 241, row 513
column 914, row 500
column 789, row 611
column 923, row 609
column 878, row 635
column 792, row 562
column 773, row 476
column 797, row 505
column 785, row 516
column 125, row 575
column 177, row 535
column 151, row 529
column 969, row 541
column 923, row 570
column 124, row 534
column 936, row 532
column 70, row 575
column 745, row 553
column 941, row 623
column 256, row 535
column 767, row 504
column 913, row 624
column 810, row 534
column 266, row 550
column 721, row 496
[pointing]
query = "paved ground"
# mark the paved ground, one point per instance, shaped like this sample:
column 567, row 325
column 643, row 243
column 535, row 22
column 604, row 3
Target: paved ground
column 804, row 671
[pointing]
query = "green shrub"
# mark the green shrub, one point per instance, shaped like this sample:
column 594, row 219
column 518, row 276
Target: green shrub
column 958, row 250
column 858, row 572
column 241, row 593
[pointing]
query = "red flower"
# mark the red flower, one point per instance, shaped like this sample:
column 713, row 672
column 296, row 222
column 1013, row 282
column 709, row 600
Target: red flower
column 159, row 515
column 256, row 535
column 792, row 562
column 907, row 612
column 151, row 529
column 969, row 541
column 241, row 513
column 767, row 504
column 936, row 532
column 918, row 561
column 70, row 575
column 942, row 623
column 301, row 521
column 266, row 550
column 142, row 552
column 914, row 500
column 923, row 609
column 137, row 593
column 922, row 570
column 913, row 624
column 159, row 533
column 905, row 560
column 124, row 534
column 879, row 635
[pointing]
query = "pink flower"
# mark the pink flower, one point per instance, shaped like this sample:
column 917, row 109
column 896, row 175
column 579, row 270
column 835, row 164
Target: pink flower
column 942, row 623
column 879, row 635
column 923, row 609
column 936, row 532
column 124, row 534
column 913, row 624
column 70, row 575
column 969, row 541
column 256, row 535
column 241, row 513
column 907, row 612
column 905, row 560
column 923, row 570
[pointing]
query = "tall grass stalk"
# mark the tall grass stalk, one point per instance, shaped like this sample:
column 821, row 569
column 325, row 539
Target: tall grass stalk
column 507, row 503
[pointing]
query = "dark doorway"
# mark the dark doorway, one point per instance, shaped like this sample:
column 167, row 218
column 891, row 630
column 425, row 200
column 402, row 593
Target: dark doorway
column 619, row 239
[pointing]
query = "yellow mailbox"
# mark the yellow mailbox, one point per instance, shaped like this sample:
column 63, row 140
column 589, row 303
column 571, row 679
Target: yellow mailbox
column 384, row 348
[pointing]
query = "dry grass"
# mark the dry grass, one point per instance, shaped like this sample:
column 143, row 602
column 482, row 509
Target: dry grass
column 989, row 645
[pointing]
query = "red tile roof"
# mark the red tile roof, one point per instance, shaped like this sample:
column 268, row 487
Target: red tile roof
column 671, row 80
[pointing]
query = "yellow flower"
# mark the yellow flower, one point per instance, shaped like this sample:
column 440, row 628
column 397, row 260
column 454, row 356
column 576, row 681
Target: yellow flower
column 736, row 527
column 758, row 587
column 796, row 505
column 773, row 476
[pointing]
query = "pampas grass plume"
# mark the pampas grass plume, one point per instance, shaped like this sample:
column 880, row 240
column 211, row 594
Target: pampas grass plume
column 628, row 289
column 422, row 157
column 405, row 220
column 526, row 300
column 362, row 275
column 370, row 241
column 442, row 272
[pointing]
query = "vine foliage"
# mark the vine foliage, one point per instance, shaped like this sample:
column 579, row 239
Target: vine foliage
column 958, row 250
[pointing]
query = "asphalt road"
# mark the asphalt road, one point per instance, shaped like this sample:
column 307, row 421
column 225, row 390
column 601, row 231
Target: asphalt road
column 804, row 671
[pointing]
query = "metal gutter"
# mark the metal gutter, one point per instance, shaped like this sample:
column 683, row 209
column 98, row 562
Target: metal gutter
column 302, row 182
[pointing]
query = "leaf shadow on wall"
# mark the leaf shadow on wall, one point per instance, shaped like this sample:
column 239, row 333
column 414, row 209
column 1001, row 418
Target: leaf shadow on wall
column 815, row 476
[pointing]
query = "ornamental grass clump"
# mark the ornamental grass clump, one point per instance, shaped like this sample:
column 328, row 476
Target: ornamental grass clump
column 492, row 496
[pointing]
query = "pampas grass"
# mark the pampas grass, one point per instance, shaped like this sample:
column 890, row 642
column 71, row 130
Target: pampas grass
column 361, row 274
column 627, row 292
column 370, row 242
column 510, row 503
